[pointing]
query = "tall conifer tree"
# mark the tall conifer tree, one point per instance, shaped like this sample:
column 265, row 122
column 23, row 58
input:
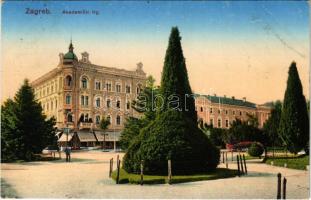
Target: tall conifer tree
column 174, row 82
column 294, row 124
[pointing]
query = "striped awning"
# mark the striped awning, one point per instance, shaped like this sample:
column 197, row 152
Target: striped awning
column 109, row 136
column 86, row 136
column 63, row 138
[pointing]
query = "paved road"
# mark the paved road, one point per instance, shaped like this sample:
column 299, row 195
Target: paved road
column 87, row 177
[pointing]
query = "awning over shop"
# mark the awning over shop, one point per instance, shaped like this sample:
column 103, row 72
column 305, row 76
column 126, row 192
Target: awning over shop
column 109, row 136
column 63, row 138
column 85, row 136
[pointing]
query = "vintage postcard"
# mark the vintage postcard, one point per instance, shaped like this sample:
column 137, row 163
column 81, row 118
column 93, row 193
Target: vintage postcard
column 155, row 99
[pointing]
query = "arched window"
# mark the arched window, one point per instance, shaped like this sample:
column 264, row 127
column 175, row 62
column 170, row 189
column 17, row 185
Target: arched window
column 81, row 118
column 69, row 118
column 97, row 102
column 68, row 81
column 86, row 117
column 118, row 104
column 97, row 119
column 84, row 82
column 219, row 123
column 139, row 89
column 109, row 118
column 128, row 105
column 118, row 119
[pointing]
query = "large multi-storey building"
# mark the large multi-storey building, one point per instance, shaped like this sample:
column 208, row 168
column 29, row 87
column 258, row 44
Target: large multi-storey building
column 78, row 94
column 222, row 111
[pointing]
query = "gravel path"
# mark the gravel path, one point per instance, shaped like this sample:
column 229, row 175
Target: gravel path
column 87, row 177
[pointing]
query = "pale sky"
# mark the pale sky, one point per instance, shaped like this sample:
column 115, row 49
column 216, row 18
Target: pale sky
column 241, row 49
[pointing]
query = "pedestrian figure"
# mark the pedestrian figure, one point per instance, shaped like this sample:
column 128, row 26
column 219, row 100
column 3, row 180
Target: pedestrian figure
column 67, row 151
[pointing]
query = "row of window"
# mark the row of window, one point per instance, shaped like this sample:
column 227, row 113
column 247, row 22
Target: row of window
column 85, row 102
column 85, row 118
column 99, row 86
column 46, row 91
column 49, row 105
column 219, row 123
column 233, row 112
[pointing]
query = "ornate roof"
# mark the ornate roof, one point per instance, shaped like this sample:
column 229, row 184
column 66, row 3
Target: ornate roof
column 70, row 54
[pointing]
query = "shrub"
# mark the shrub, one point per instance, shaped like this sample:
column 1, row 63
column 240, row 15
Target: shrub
column 173, row 136
column 256, row 149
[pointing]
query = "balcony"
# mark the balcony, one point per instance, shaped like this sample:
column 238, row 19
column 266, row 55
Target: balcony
column 85, row 125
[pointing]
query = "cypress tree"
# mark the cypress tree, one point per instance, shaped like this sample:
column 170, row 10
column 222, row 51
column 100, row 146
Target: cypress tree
column 294, row 124
column 174, row 83
column 26, row 129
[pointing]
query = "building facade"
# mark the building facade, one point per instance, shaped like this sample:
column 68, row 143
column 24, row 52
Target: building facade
column 222, row 111
column 79, row 94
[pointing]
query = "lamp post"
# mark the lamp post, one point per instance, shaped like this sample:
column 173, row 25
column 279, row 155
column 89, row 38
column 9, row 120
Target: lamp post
column 104, row 142
column 67, row 128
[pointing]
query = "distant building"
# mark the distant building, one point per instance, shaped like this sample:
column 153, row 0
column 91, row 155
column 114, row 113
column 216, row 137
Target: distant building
column 222, row 111
column 78, row 94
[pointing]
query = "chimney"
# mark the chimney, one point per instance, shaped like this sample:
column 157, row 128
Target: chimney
column 244, row 98
column 233, row 97
column 225, row 96
column 214, row 95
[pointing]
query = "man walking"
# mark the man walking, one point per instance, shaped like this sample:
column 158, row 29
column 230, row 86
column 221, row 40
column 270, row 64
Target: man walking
column 67, row 152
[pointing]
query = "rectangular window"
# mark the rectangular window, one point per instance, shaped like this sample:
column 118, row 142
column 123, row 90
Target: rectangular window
column 219, row 111
column 118, row 88
column 226, row 112
column 82, row 100
column 128, row 89
column 108, row 87
column 212, row 122
column 86, row 100
column 108, row 103
column 97, row 85
column 68, row 99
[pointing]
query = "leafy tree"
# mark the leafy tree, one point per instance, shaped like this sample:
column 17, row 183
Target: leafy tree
column 9, row 132
column 104, row 123
column 216, row 135
column 294, row 124
column 243, row 131
column 131, row 129
column 26, row 129
column 144, row 104
column 146, row 100
column 175, row 88
column 270, row 128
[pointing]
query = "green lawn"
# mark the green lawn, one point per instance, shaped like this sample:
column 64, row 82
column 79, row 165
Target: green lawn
column 299, row 162
column 152, row 179
column 7, row 191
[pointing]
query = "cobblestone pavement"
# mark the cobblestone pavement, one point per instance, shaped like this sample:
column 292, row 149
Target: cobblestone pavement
column 87, row 177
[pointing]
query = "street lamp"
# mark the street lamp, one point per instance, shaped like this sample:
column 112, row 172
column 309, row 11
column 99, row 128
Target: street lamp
column 66, row 130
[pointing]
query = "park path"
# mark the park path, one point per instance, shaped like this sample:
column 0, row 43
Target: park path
column 87, row 177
